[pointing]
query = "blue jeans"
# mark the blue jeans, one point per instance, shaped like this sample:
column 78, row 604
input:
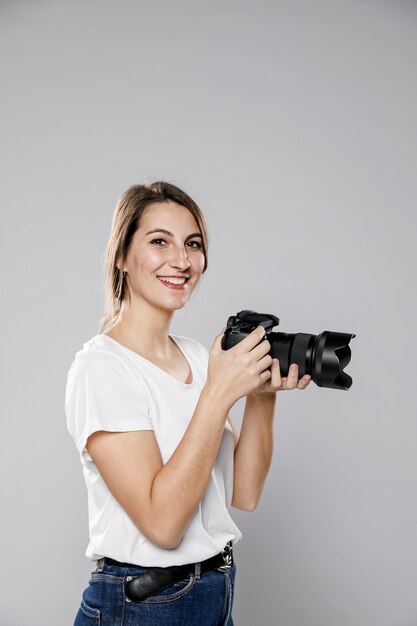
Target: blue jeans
column 203, row 599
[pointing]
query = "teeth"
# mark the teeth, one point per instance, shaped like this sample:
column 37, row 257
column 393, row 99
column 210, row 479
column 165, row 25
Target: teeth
column 174, row 281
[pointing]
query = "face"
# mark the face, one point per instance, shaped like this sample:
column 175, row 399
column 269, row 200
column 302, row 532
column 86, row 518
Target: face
column 155, row 255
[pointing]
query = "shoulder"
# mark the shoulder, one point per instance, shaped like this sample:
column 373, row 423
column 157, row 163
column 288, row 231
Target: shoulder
column 99, row 376
column 96, row 360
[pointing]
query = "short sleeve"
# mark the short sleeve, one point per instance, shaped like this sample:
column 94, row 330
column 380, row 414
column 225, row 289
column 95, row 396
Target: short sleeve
column 101, row 394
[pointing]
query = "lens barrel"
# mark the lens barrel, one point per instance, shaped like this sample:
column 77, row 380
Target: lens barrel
column 322, row 356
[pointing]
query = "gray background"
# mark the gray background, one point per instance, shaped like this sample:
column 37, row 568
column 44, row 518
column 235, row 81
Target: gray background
column 293, row 126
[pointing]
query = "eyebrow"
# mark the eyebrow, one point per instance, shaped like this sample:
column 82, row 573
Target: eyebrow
column 162, row 230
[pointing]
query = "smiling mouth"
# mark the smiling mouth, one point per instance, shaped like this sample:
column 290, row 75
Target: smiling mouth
column 173, row 280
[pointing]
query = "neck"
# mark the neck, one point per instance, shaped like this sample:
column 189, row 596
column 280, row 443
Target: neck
column 144, row 329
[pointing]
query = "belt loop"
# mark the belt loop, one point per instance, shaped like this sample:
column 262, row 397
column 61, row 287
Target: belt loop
column 197, row 571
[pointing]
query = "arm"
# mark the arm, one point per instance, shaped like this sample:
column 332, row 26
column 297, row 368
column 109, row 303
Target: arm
column 253, row 452
column 161, row 499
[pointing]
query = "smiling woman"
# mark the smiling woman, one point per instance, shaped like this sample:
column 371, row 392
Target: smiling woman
column 149, row 414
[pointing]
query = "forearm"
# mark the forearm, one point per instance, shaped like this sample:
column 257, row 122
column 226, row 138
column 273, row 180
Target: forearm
column 253, row 453
column 179, row 486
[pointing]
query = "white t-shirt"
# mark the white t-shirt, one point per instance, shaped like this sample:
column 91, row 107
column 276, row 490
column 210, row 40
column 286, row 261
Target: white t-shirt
column 110, row 387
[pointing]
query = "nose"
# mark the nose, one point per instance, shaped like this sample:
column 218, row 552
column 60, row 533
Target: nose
column 179, row 259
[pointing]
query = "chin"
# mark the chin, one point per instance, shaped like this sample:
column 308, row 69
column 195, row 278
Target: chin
column 171, row 307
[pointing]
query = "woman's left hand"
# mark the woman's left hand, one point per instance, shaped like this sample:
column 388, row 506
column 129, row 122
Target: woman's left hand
column 279, row 383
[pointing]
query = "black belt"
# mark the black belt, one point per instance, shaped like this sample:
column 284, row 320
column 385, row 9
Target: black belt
column 138, row 588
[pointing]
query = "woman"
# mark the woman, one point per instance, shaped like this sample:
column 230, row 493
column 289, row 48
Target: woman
column 149, row 414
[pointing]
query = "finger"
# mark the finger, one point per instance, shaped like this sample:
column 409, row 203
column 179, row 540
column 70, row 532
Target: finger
column 264, row 363
column 251, row 340
column 264, row 376
column 276, row 373
column 261, row 350
column 304, row 382
column 292, row 379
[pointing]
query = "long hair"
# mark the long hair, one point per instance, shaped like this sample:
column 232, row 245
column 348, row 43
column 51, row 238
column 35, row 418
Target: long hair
column 125, row 222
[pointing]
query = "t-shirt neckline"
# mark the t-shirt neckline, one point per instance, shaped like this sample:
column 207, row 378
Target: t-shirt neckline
column 153, row 365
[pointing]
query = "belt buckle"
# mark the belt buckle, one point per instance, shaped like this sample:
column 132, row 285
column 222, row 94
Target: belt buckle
column 227, row 554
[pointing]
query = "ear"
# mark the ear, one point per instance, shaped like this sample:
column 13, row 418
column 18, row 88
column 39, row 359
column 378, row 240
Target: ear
column 119, row 264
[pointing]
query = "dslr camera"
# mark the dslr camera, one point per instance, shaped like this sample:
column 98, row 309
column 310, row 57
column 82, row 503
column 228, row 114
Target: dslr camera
column 322, row 356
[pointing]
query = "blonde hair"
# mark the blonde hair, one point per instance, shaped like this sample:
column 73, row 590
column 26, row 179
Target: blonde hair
column 125, row 222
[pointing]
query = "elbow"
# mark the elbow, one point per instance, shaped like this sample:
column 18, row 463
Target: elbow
column 244, row 501
column 173, row 544
column 244, row 506
column 161, row 536
column 250, row 507
column 162, row 539
column 169, row 541
column 157, row 526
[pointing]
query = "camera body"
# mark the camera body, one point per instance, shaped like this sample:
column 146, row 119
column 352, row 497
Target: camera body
column 322, row 356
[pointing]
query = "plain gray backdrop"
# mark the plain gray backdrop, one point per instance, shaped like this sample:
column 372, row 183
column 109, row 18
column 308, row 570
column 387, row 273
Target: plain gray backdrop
column 293, row 125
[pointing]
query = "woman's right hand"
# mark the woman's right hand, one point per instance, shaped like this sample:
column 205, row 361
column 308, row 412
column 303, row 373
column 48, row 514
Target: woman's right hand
column 238, row 371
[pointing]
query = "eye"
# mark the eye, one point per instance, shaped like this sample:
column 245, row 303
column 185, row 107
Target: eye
column 197, row 245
